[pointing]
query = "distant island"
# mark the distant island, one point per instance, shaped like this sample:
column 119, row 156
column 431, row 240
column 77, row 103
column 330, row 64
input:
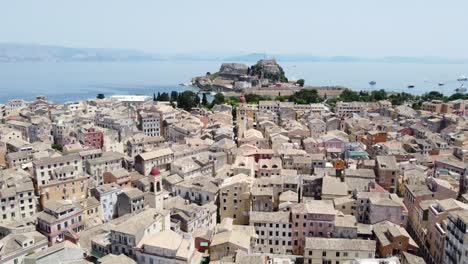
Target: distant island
column 13, row 52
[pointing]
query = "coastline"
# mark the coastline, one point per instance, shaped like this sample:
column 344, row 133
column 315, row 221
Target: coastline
column 75, row 81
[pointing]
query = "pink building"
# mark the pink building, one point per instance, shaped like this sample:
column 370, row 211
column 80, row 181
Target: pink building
column 387, row 209
column 334, row 143
column 60, row 220
column 120, row 176
column 311, row 219
column 91, row 137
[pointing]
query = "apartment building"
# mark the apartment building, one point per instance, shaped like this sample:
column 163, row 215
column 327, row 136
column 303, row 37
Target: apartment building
column 91, row 137
column 127, row 235
column 347, row 109
column 16, row 246
column 168, row 247
column 200, row 190
column 17, row 200
column 337, row 250
column 140, row 143
column 437, row 226
column 274, row 231
column 190, row 216
column 107, row 195
column 150, row 123
column 60, row 220
column 45, row 168
column 386, row 171
column 130, row 201
column 234, row 199
column 161, row 158
column 109, row 161
column 456, row 246
column 71, row 188
column 314, row 218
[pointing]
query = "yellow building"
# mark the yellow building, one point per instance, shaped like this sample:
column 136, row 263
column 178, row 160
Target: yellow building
column 234, row 199
column 74, row 189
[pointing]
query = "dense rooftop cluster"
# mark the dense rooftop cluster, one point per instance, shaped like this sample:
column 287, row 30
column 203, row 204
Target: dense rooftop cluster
column 128, row 179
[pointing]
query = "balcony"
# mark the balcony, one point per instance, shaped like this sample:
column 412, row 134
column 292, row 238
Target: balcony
column 440, row 229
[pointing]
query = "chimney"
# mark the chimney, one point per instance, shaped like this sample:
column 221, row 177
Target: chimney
column 340, row 174
column 213, row 169
column 299, row 195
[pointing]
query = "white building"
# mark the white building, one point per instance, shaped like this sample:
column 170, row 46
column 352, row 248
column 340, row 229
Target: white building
column 456, row 245
column 150, row 123
column 44, row 169
column 347, row 109
column 168, row 247
column 110, row 161
column 273, row 230
column 127, row 235
column 17, row 198
column 107, row 196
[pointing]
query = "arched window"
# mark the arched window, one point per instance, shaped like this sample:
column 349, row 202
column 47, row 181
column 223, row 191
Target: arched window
column 158, row 186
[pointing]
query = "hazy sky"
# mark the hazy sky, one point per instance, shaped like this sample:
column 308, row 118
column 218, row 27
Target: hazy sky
column 321, row 27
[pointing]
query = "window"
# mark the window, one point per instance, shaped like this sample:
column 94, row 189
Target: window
column 324, row 253
column 337, row 253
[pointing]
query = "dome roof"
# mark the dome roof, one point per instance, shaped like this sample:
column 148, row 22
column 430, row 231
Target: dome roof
column 155, row 171
column 242, row 99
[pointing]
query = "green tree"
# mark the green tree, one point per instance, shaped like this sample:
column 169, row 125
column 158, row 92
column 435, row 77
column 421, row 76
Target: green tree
column 187, row 100
column 164, row 97
column 305, row 97
column 401, row 98
column 57, row 147
column 232, row 100
column 204, row 100
column 218, row 99
column 379, row 95
column 432, row 95
column 301, row 82
column 255, row 98
column 457, row 96
column 349, row 96
column 417, row 105
column 282, row 98
column 174, row 95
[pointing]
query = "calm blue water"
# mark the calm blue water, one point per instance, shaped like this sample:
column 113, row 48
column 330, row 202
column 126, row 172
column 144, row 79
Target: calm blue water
column 80, row 80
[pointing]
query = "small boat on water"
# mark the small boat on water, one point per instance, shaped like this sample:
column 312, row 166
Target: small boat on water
column 410, row 86
column 461, row 89
column 372, row 83
column 441, row 84
column 462, row 78
column 185, row 84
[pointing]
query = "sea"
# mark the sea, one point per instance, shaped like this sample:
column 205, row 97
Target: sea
column 69, row 81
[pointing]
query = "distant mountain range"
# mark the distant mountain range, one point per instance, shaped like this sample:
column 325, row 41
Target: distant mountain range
column 313, row 58
column 12, row 52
